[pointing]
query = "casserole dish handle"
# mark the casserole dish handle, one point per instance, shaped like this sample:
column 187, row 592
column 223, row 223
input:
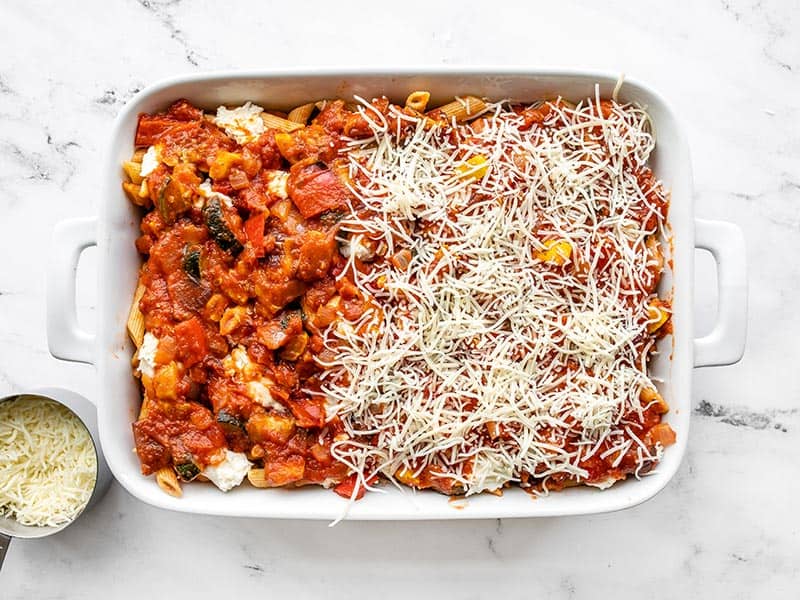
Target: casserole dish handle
column 65, row 338
column 724, row 345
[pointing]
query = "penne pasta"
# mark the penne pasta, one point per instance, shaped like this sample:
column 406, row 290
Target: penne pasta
column 273, row 122
column 277, row 113
column 137, row 193
column 132, row 191
column 136, row 318
column 145, row 408
column 257, row 479
column 136, row 189
column 460, row 109
column 301, row 114
column 418, row 101
column 133, row 170
column 167, row 480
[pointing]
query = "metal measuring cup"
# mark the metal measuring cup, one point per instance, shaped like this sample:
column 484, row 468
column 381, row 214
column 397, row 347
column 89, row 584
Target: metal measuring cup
column 86, row 412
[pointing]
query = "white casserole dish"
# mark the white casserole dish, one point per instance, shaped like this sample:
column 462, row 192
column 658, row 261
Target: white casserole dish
column 116, row 228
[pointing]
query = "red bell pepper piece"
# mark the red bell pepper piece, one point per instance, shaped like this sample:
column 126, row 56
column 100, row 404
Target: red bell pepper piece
column 254, row 228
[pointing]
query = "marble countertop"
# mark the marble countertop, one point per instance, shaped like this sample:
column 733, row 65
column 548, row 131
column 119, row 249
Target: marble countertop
column 727, row 526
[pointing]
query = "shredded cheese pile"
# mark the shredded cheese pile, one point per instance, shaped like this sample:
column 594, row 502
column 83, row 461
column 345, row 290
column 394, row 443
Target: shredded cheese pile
column 48, row 464
column 485, row 331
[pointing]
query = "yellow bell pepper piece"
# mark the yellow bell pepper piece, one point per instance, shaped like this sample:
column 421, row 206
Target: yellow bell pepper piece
column 285, row 143
column 556, row 252
column 474, row 167
column 406, row 476
column 223, row 162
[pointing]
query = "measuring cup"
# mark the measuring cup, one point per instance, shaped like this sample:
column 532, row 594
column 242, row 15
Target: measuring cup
column 86, row 412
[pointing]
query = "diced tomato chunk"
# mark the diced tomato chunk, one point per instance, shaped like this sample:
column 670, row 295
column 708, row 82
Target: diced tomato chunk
column 191, row 337
column 346, row 488
column 183, row 110
column 660, row 434
column 333, row 116
column 315, row 190
column 316, row 254
column 309, row 412
column 180, row 115
column 254, row 228
column 283, row 472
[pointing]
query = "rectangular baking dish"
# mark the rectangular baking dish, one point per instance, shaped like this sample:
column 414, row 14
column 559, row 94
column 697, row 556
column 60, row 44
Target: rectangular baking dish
column 116, row 228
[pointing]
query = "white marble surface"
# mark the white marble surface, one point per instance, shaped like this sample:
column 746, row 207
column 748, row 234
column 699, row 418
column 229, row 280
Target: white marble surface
column 726, row 527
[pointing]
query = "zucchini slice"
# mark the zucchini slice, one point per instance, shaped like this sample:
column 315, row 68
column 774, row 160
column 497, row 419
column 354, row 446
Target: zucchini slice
column 215, row 221
column 187, row 471
column 191, row 262
column 229, row 422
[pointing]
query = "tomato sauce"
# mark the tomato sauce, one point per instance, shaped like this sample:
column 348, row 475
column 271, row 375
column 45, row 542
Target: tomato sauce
column 241, row 274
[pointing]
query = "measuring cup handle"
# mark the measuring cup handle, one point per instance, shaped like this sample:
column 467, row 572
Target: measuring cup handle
column 5, row 541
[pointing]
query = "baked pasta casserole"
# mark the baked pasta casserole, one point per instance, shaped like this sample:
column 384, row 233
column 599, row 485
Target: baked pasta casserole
column 357, row 293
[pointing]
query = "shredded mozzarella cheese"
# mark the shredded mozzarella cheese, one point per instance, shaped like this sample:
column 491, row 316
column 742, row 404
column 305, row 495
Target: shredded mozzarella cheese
column 48, row 464
column 480, row 330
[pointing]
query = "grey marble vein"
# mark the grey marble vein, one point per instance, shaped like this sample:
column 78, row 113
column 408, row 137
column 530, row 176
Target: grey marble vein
column 163, row 11
column 112, row 98
column 5, row 89
column 739, row 417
